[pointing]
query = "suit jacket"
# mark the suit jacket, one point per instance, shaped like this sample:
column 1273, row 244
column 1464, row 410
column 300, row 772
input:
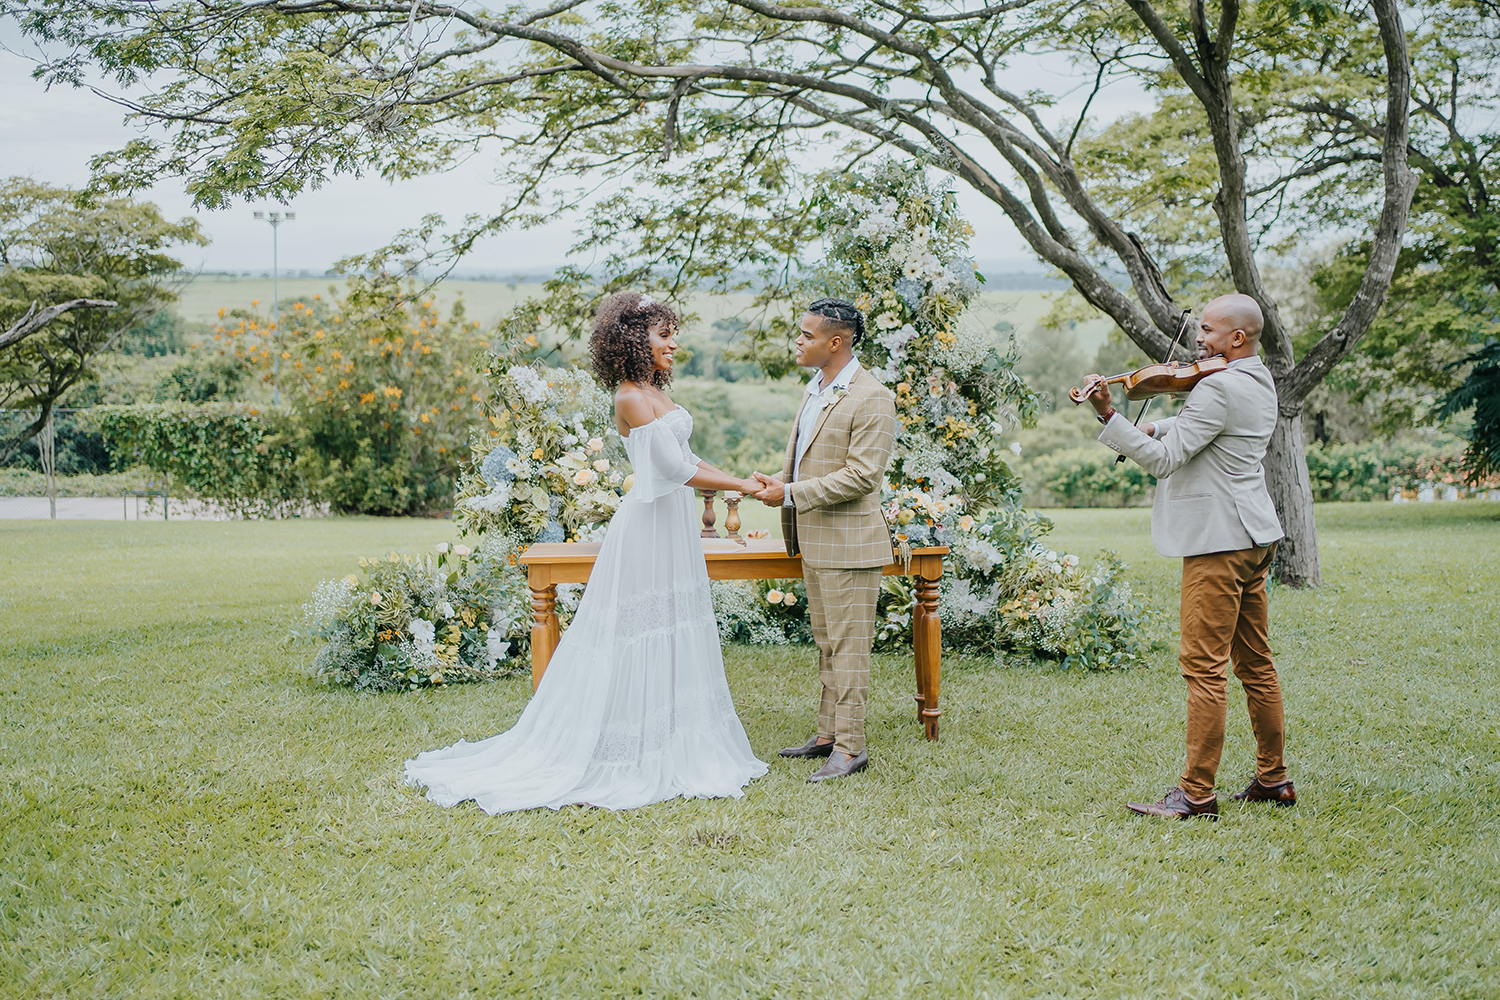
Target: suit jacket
column 1211, row 492
column 837, row 522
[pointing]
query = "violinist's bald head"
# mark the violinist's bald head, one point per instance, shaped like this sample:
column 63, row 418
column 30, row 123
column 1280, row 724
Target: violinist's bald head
column 1231, row 326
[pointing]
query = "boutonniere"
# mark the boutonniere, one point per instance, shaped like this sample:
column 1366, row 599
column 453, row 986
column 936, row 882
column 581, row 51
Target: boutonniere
column 838, row 394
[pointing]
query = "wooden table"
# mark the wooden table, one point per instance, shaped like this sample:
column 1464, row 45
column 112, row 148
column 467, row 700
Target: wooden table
column 549, row 564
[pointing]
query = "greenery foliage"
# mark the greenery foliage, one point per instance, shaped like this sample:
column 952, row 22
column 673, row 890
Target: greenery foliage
column 1481, row 390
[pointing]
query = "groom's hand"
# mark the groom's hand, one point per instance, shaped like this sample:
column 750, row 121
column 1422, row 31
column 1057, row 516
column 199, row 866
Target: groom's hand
column 771, row 492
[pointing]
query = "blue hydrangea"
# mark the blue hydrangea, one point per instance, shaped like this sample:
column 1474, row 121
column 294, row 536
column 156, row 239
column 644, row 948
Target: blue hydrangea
column 553, row 532
column 964, row 280
column 493, row 468
column 910, row 291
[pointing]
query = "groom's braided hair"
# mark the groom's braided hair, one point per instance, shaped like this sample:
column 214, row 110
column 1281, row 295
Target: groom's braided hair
column 844, row 314
column 620, row 347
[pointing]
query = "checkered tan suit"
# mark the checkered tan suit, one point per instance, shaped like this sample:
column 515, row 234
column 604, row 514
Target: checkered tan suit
column 838, row 527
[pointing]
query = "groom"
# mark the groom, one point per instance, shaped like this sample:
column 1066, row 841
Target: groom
column 829, row 494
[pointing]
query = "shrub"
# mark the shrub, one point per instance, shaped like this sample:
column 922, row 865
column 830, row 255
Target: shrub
column 1089, row 477
column 226, row 452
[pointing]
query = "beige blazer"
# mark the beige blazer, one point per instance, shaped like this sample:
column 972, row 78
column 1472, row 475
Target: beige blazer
column 1211, row 492
column 837, row 522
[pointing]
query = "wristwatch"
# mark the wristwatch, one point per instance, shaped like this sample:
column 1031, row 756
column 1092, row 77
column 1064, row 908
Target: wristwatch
column 786, row 496
column 1103, row 418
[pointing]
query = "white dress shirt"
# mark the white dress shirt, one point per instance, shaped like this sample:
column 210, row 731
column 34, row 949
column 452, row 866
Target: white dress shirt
column 818, row 396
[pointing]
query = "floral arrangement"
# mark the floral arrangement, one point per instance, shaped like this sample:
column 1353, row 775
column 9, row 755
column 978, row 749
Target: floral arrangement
column 550, row 467
column 405, row 623
column 1092, row 621
column 763, row 612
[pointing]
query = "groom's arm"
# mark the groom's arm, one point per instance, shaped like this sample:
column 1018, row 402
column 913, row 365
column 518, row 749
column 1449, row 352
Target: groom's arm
column 872, row 435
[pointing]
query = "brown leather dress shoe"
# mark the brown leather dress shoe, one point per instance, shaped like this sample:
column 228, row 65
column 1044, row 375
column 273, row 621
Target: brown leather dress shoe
column 840, row 765
column 1176, row 805
column 1279, row 795
column 812, row 748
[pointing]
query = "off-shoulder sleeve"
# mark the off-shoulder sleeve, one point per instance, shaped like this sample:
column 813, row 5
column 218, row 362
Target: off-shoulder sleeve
column 658, row 461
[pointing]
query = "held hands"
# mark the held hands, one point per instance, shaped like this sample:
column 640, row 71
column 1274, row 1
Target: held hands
column 767, row 490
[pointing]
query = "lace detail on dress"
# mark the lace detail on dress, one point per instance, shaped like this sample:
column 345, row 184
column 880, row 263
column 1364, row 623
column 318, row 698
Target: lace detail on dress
column 662, row 612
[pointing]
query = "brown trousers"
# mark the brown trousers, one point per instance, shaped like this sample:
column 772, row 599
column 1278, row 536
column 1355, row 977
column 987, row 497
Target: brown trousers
column 1225, row 616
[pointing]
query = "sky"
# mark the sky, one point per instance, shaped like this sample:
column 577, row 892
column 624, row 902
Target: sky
column 51, row 134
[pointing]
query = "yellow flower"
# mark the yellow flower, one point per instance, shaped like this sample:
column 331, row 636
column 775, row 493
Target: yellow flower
column 906, row 517
column 628, row 483
column 537, row 454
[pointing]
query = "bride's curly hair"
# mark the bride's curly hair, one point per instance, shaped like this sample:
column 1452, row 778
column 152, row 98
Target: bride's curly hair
column 620, row 347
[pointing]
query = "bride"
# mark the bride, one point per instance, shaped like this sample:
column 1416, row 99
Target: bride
column 634, row 707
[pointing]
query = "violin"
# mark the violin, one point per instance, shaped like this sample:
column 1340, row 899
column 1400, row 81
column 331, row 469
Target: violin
column 1155, row 380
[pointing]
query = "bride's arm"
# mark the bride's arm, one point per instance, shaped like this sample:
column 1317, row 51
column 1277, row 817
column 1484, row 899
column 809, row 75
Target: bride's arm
column 710, row 478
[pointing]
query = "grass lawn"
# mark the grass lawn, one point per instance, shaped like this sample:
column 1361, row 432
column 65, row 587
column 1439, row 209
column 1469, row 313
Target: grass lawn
column 186, row 815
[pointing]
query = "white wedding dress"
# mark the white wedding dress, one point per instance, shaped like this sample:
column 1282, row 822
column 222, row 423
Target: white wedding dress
column 634, row 707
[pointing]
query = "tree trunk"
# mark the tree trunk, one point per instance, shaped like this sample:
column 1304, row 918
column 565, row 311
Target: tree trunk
column 1296, row 563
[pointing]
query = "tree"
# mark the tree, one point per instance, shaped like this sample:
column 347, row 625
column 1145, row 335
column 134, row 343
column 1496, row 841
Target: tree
column 1481, row 390
column 1445, row 297
column 715, row 110
column 98, row 264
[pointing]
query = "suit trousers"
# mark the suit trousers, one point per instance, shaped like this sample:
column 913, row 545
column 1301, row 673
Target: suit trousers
column 1226, row 617
column 841, row 605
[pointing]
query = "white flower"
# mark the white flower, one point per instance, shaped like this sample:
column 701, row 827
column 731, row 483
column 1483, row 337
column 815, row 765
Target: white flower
column 460, row 550
column 375, row 597
column 584, row 476
column 569, row 440
column 531, row 386
column 444, row 610
column 887, row 321
column 442, row 548
column 596, row 444
column 788, row 599
column 774, row 596
column 1070, row 561
column 601, row 465
column 496, row 647
column 1015, row 448
column 422, row 630
column 645, row 301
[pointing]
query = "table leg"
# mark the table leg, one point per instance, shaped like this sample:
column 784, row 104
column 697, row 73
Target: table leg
column 544, row 630
column 929, row 652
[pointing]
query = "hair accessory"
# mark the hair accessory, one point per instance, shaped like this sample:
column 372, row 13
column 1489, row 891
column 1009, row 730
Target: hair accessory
column 645, row 301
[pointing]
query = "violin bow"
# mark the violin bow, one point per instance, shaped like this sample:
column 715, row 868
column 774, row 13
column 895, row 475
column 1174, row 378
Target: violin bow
column 1146, row 403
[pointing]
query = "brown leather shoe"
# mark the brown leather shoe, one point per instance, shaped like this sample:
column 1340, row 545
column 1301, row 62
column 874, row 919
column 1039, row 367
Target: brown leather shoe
column 840, row 765
column 1176, row 805
column 1278, row 795
column 812, row 748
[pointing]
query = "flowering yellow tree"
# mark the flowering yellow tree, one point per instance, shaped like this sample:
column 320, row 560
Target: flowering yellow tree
column 381, row 390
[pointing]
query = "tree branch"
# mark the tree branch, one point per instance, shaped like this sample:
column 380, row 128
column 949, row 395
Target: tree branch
column 34, row 321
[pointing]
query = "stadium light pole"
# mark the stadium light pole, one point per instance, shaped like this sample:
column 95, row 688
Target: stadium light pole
column 276, row 219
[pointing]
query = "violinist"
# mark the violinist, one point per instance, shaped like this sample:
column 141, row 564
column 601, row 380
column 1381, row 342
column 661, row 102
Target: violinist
column 1212, row 509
